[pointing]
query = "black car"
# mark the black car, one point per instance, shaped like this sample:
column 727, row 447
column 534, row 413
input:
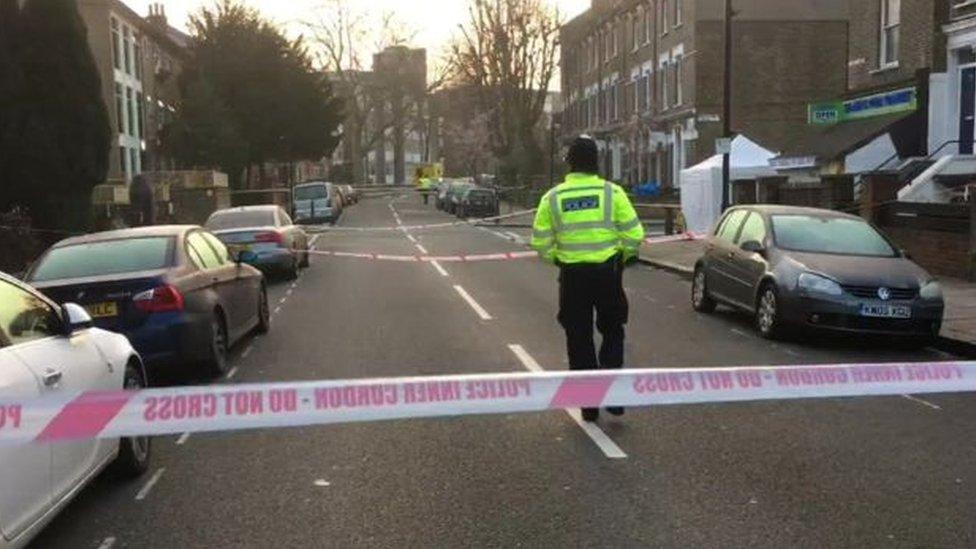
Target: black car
column 806, row 267
column 174, row 291
column 478, row 202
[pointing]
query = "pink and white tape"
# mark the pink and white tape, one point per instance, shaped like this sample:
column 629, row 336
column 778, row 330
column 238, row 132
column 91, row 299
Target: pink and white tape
column 272, row 405
column 499, row 256
column 478, row 221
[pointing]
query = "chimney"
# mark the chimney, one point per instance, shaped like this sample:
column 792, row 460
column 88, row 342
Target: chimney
column 157, row 15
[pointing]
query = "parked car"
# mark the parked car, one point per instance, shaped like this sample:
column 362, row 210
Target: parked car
column 440, row 194
column 174, row 291
column 818, row 269
column 478, row 202
column 454, row 193
column 49, row 351
column 276, row 242
column 316, row 202
column 349, row 194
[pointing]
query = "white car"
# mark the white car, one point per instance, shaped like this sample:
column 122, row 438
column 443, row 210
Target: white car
column 47, row 350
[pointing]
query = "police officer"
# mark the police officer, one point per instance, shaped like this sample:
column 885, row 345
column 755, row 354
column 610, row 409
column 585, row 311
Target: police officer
column 589, row 229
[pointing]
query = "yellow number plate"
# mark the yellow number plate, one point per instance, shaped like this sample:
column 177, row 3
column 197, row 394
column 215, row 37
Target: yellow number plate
column 102, row 310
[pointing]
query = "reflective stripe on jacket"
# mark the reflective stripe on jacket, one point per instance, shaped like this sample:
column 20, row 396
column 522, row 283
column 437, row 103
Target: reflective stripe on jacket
column 586, row 220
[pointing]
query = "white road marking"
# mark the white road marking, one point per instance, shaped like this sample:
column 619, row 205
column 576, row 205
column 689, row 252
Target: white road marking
column 738, row 332
column 439, row 268
column 182, row 440
column 289, row 291
column 283, row 300
column 474, row 304
column 276, row 311
column 514, row 236
column 232, row 372
column 247, row 351
column 322, row 482
column 411, row 238
column 923, row 402
column 592, row 430
column 141, row 495
column 422, row 249
column 313, row 240
column 793, row 353
column 107, row 543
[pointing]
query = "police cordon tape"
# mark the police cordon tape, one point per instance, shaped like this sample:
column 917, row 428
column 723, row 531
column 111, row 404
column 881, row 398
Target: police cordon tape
column 162, row 411
column 478, row 221
column 465, row 258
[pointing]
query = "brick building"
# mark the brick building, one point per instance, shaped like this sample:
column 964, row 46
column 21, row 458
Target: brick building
column 645, row 77
column 139, row 60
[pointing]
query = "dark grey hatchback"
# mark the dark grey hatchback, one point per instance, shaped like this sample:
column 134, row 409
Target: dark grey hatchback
column 806, row 267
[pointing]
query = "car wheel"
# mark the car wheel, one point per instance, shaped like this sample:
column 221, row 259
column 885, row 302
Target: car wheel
column 700, row 301
column 264, row 312
column 217, row 361
column 134, row 452
column 768, row 322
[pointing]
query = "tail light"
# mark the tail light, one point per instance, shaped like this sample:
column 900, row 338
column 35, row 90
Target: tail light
column 159, row 300
column 270, row 236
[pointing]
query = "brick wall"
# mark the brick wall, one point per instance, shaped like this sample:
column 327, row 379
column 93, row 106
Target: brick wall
column 922, row 44
column 935, row 235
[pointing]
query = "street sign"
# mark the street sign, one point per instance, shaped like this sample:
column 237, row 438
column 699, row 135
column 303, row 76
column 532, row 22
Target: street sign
column 901, row 100
column 723, row 145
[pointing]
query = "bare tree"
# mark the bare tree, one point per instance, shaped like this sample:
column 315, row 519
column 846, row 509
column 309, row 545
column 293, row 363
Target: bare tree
column 470, row 150
column 345, row 37
column 507, row 51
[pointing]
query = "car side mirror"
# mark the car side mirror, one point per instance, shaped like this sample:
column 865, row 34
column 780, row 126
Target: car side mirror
column 75, row 317
column 753, row 246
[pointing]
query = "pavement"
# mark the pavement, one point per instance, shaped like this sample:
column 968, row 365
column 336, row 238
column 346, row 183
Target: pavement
column 958, row 328
column 894, row 471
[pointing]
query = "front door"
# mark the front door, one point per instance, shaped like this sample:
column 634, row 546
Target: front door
column 967, row 109
column 720, row 253
column 748, row 268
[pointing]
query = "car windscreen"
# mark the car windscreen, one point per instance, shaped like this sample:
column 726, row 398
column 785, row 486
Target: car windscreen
column 104, row 258
column 311, row 192
column 240, row 220
column 830, row 235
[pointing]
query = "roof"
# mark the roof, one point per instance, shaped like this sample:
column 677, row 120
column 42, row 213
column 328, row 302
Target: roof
column 773, row 209
column 837, row 140
column 138, row 232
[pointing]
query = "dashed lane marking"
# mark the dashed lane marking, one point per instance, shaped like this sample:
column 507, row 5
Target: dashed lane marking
column 277, row 310
column 182, row 440
column 439, row 268
column 923, row 402
column 592, row 430
column 231, row 373
column 107, row 543
column 247, row 351
column 474, row 304
column 422, row 249
column 144, row 491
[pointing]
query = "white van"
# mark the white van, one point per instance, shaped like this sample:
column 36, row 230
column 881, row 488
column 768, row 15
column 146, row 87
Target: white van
column 316, row 202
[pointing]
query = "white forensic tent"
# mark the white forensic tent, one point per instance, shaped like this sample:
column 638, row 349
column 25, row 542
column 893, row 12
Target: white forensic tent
column 701, row 184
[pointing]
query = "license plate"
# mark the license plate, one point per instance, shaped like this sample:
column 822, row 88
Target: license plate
column 102, row 310
column 878, row 310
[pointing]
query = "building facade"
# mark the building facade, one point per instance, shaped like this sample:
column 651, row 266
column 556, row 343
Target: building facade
column 644, row 77
column 139, row 60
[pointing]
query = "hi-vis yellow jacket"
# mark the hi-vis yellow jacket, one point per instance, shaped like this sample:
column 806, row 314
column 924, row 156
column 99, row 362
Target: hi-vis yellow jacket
column 586, row 220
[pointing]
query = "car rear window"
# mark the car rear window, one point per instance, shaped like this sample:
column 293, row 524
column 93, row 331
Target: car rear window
column 829, row 235
column 104, row 258
column 312, row 192
column 240, row 220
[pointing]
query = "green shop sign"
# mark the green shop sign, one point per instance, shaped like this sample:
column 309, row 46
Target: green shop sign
column 903, row 100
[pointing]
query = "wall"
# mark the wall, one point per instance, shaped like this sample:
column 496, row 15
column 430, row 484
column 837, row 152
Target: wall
column 935, row 235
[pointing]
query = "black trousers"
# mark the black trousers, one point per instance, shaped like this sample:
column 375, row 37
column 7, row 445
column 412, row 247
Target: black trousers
column 583, row 290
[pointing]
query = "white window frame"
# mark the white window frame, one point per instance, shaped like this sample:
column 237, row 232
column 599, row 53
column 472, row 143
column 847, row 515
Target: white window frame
column 664, row 71
column 677, row 61
column 663, row 13
column 679, row 15
column 615, row 32
column 636, row 24
column 649, row 23
column 883, row 61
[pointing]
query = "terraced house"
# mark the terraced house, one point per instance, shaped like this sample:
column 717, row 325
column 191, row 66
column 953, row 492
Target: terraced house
column 644, row 77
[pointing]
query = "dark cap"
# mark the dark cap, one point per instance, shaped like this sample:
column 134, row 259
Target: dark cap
column 583, row 156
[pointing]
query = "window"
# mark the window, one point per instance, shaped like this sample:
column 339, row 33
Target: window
column 729, row 227
column 607, row 43
column 616, row 38
column 120, row 108
column 134, row 162
column 137, row 55
column 678, row 12
column 107, row 257
column 829, row 235
column 116, row 40
column 131, row 111
column 648, row 90
column 663, row 15
column 196, row 242
column 665, row 74
column 140, row 112
column 637, row 23
column 616, row 101
column 890, row 24
column 284, row 218
column 753, row 230
column 127, row 48
column 122, row 157
column 243, row 219
column 223, row 255
column 678, row 75
column 24, row 316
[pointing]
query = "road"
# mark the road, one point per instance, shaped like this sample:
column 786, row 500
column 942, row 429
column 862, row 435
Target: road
column 892, row 471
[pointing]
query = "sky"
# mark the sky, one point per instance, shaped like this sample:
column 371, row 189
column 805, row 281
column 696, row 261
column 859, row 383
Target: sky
column 434, row 20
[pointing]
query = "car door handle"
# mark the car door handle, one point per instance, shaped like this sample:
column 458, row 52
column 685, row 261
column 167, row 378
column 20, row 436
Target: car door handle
column 52, row 377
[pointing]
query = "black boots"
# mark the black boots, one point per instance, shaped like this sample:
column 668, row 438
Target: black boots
column 590, row 414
